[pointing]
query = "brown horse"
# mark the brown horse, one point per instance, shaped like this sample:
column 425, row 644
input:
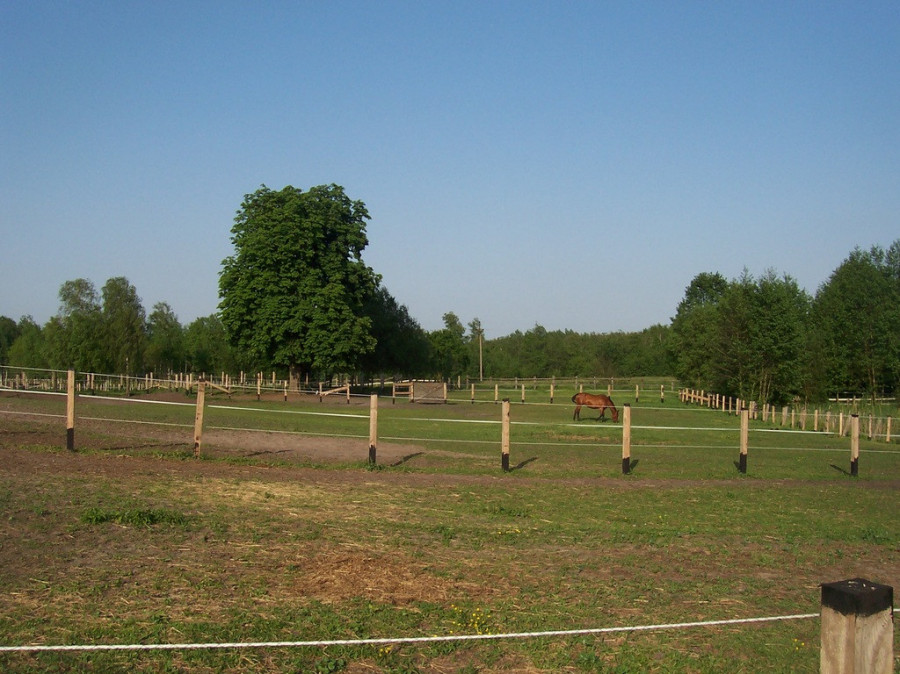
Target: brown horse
column 597, row 401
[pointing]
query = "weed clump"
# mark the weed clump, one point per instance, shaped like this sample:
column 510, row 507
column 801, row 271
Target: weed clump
column 138, row 517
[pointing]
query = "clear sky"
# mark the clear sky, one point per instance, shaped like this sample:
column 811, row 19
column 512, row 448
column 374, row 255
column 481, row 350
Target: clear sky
column 562, row 163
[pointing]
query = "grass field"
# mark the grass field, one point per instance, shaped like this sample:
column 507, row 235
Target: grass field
column 281, row 531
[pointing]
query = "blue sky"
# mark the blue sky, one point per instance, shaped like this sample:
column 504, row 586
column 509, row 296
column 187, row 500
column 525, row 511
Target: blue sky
column 568, row 164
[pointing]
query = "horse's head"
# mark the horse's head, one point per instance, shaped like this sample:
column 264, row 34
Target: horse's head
column 615, row 414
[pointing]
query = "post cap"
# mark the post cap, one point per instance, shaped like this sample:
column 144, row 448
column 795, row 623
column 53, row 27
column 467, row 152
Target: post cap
column 857, row 596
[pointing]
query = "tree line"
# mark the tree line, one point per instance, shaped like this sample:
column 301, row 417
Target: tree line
column 766, row 339
column 296, row 297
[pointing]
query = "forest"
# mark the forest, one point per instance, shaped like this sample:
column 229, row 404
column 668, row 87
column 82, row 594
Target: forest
column 762, row 339
column 297, row 297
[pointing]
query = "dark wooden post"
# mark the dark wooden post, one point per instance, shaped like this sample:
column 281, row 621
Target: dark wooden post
column 504, row 434
column 857, row 630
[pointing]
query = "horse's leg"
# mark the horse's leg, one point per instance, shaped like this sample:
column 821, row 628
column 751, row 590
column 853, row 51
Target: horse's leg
column 577, row 414
column 602, row 414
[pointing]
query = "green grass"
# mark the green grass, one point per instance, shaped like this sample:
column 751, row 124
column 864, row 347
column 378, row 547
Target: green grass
column 131, row 541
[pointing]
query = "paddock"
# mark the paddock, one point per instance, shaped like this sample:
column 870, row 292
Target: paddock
column 283, row 534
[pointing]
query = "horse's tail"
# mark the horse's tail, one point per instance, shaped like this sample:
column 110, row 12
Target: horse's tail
column 574, row 398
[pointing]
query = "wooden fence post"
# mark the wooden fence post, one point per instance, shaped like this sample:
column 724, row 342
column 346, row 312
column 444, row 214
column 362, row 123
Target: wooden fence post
column 198, row 416
column 745, row 432
column 854, row 445
column 857, row 630
column 552, row 386
column 70, row 412
column 504, row 435
column 626, row 438
column 887, row 436
column 373, row 427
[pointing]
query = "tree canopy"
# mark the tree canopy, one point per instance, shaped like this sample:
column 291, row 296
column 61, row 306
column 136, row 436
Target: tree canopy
column 297, row 296
column 856, row 320
column 743, row 338
column 766, row 339
column 293, row 293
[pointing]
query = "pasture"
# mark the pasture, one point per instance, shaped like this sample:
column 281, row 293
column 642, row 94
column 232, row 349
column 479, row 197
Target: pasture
column 283, row 532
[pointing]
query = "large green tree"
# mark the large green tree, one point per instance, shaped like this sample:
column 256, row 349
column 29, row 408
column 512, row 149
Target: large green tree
column 760, row 328
column 124, row 327
column 402, row 346
column 206, row 346
column 695, row 341
column 9, row 332
column 448, row 347
column 165, row 340
column 742, row 338
column 29, row 349
column 294, row 291
column 73, row 336
column 856, row 324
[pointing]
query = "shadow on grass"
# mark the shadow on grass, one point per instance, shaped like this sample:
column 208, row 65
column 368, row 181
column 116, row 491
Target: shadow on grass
column 841, row 470
column 406, row 458
column 267, row 451
column 149, row 445
column 524, row 463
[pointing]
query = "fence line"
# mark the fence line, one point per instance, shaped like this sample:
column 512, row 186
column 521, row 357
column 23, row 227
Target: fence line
column 418, row 419
column 394, row 438
column 876, row 428
column 625, row 428
column 407, row 640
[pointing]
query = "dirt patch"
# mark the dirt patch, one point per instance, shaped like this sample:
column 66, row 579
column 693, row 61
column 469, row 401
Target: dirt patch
column 92, row 434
